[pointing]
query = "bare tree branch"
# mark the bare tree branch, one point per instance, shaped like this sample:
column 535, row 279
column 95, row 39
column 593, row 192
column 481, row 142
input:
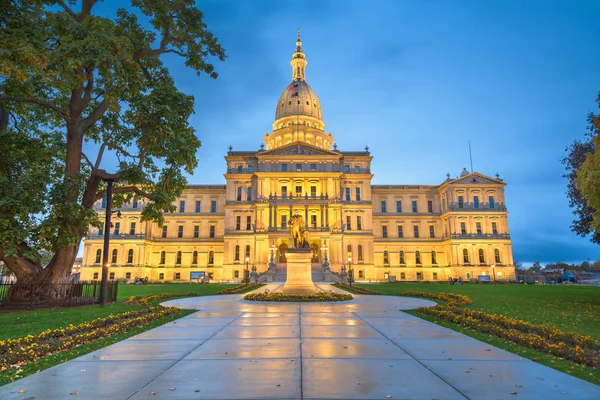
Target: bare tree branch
column 94, row 115
column 99, row 157
column 43, row 103
column 67, row 9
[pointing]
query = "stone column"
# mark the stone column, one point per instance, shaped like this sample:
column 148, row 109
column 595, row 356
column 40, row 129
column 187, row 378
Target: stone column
column 327, row 216
column 322, row 215
column 270, row 216
column 275, row 216
column 306, row 214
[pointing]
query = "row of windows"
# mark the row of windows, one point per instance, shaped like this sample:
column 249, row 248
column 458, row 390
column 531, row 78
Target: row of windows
column 356, row 194
column 384, row 231
column 238, row 223
column 434, row 276
column 134, row 203
column 236, row 253
column 415, row 208
column 359, row 252
column 463, row 228
column 481, row 254
column 349, row 223
column 298, row 191
column 198, row 206
column 163, row 255
column 211, row 233
column 161, row 276
column 117, row 229
column 461, row 201
column 248, row 194
column 386, row 257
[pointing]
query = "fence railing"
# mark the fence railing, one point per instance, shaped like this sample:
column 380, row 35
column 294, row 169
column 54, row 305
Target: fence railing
column 56, row 294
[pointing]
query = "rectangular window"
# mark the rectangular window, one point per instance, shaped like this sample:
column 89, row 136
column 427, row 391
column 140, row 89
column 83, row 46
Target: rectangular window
column 463, row 228
column 249, row 194
column 284, row 221
column 431, row 231
column 347, row 168
column 461, row 202
column 398, row 206
column 213, row 206
column 212, row 231
column 161, row 276
column 356, row 169
column 236, row 274
column 250, row 169
column 298, row 191
column 384, row 232
column 238, row 223
column 240, row 169
column 181, row 206
column 435, row 276
column 180, row 231
column 117, row 227
column 419, row 276
column 357, row 194
column 491, row 201
column 112, row 276
column 135, row 202
column 239, row 194
column 248, row 222
column 313, row 167
column 177, row 276
column 414, row 206
column 164, row 232
column 476, row 201
column 128, row 275
column 358, row 223
column 100, row 232
column 197, row 206
column 348, row 223
column 347, row 194
column 298, row 167
column 313, row 220
column 283, row 167
column 429, row 206
column 478, row 225
column 284, row 191
column 383, row 206
column 494, row 228
column 95, row 275
column 132, row 228
column 416, row 230
column 402, row 275
column 196, row 232
column 313, row 191
column 104, row 202
column 400, row 231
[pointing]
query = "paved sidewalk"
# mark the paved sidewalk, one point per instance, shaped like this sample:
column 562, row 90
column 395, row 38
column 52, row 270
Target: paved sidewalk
column 361, row 349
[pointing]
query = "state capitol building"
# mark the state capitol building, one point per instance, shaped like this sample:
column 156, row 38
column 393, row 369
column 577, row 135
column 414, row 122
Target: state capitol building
column 456, row 228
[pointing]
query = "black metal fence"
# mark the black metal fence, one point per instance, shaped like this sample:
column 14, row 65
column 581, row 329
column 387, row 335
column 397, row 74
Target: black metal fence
column 57, row 294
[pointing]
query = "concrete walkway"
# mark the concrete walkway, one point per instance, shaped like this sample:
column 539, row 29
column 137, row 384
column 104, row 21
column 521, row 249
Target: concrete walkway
column 365, row 348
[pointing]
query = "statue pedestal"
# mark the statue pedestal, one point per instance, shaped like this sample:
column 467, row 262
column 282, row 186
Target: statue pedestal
column 299, row 272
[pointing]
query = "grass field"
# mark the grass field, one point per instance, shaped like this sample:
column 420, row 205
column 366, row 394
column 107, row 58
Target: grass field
column 570, row 308
column 15, row 324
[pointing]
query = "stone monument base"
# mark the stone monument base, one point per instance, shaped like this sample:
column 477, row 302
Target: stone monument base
column 299, row 273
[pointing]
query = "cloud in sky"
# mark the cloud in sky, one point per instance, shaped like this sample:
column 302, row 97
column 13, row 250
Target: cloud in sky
column 416, row 81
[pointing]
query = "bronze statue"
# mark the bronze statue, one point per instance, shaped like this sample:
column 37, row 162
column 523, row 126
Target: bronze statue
column 298, row 231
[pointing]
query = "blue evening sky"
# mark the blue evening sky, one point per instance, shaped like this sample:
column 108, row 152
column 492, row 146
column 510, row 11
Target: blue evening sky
column 416, row 81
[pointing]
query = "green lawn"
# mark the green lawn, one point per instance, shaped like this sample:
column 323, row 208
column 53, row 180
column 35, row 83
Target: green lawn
column 570, row 308
column 15, row 324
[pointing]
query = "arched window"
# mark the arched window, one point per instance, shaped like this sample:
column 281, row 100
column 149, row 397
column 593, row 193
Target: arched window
column 481, row 257
column 402, row 257
column 236, row 256
column 465, row 256
column 433, row 257
column 247, row 251
column 195, row 257
column 418, row 257
column 360, row 253
column 178, row 260
column 98, row 256
column 497, row 255
column 386, row 257
column 211, row 257
column 163, row 255
column 114, row 256
column 130, row 256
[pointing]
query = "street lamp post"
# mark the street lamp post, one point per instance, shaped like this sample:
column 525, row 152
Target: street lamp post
column 350, row 271
column 494, row 273
column 247, row 275
column 105, row 265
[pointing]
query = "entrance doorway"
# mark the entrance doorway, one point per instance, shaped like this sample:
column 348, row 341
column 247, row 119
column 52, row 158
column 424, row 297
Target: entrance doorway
column 282, row 259
column 314, row 250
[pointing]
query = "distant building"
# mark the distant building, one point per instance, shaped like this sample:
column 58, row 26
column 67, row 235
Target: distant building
column 457, row 228
column 76, row 270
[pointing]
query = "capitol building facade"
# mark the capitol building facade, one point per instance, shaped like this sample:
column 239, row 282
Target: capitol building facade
column 455, row 229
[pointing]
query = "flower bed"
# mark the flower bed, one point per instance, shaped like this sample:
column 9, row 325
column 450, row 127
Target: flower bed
column 239, row 288
column 570, row 346
column 356, row 289
column 318, row 297
column 145, row 299
column 14, row 352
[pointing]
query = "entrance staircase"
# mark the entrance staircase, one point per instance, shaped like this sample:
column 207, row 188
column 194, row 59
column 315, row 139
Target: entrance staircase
column 281, row 273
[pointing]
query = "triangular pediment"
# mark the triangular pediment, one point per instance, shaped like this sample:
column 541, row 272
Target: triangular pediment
column 476, row 177
column 298, row 149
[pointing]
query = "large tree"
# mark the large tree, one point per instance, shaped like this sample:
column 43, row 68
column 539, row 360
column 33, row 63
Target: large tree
column 70, row 78
column 580, row 176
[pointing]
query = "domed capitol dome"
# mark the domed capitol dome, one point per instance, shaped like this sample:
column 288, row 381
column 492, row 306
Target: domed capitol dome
column 298, row 99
